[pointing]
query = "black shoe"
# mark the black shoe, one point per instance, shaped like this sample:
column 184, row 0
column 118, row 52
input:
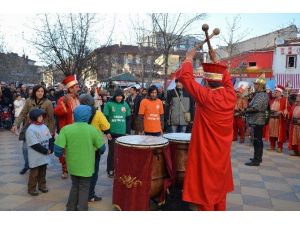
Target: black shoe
column 34, row 193
column 110, row 174
column 253, row 159
column 44, row 190
column 23, row 171
column 95, row 199
column 252, row 163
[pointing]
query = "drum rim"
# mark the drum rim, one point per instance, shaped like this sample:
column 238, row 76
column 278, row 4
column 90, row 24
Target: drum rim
column 176, row 140
column 142, row 146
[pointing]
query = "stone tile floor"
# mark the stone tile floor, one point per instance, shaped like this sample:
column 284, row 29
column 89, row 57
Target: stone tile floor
column 275, row 185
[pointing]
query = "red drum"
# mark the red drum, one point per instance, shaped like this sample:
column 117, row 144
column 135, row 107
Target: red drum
column 140, row 170
column 179, row 144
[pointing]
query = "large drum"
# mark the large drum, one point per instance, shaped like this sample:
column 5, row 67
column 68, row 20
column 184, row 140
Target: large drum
column 140, row 170
column 179, row 144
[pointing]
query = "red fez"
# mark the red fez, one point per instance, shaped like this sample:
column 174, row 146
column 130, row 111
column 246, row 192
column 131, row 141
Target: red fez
column 70, row 81
column 213, row 72
column 279, row 88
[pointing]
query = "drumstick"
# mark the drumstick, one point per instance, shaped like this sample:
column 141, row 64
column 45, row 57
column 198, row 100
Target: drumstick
column 216, row 32
column 205, row 28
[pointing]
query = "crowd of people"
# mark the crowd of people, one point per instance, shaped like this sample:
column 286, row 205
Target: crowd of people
column 75, row 122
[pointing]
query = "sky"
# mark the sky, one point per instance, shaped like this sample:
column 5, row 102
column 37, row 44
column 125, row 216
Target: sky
column 257, row 17
column 17, row 28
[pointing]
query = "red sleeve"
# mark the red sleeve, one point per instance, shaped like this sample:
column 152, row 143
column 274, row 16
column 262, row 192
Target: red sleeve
column 61, row 108
column 186, row 77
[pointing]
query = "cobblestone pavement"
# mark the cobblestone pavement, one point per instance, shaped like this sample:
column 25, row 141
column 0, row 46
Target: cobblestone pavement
column 275, row 185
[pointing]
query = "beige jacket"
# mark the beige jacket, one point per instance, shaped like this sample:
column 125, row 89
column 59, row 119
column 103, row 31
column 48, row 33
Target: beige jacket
column 30, row 104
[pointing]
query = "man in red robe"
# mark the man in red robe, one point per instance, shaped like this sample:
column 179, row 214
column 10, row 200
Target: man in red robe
column 278, row 118
column 208, row 176
column 294, row 134
column 239, row 125
column 64, row 111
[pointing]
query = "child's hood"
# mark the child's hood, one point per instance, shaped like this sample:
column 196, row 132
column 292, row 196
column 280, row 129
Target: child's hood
column 82, row 113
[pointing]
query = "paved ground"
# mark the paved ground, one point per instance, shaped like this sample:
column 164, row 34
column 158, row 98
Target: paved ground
column 275, row 185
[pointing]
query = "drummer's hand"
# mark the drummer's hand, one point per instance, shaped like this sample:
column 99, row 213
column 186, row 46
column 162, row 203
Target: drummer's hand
column 190, row 54
column 161, row 133
column 109, row 137
column 285, row 112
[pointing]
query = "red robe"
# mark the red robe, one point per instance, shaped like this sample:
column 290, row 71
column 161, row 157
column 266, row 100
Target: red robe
column 64, row 112
column 291, row 133
column 208, row 176
column 282, row 121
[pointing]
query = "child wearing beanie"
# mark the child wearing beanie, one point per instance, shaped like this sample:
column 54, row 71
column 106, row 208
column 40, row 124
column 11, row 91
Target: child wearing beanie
column 38, row 139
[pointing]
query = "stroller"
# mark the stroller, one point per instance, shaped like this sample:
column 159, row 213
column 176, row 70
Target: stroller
column 5, row 117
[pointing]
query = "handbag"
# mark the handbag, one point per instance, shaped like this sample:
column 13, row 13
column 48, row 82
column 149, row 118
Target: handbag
column 23, row 132
column 187, row 115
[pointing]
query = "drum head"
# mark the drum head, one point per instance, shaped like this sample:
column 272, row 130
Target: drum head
column 142, row 141
column 178, row 137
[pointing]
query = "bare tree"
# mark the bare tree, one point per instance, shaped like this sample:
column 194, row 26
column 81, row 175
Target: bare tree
column 169, row 29
column 232, row 36
column 2, row 43
column 66, row 42
column 142, row 30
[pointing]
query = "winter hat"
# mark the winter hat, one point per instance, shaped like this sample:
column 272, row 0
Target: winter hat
column 86, row 99
column 82, row 113
column 119, row 92
column 35, row 113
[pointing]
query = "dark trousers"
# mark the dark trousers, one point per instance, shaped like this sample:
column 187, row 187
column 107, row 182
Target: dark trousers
column 94, row 177
column 78, row 197
column 111, row 150
column 153, row 134
column 258, row 143
column 37, row 176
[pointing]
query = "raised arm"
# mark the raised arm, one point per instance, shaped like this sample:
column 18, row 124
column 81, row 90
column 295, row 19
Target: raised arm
column 186, row 76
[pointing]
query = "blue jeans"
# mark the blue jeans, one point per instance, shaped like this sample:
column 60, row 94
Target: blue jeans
column 94, row 177
column 178, row 129
column 25, row 155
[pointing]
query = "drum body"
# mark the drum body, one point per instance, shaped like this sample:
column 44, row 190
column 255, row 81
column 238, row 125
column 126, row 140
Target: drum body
column 179, row 144
column 156, row 145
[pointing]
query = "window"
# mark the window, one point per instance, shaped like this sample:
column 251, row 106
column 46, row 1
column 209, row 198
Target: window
column 252, row 64
column 129, row 58
column 149, row 60
column 291, row 61
column 137, row 59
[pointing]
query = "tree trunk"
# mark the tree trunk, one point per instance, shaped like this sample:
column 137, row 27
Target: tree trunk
column 166, row 70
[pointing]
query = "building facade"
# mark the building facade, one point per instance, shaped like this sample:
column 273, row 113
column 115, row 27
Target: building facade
column 259, row 42
column 286, row 63
column 19, row 69
column 251, row 64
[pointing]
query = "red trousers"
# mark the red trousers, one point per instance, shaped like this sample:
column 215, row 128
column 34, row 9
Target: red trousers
column 239, row 127
column 295, row 147
column 63, row 163
column 273, row 142
column 220, row 206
